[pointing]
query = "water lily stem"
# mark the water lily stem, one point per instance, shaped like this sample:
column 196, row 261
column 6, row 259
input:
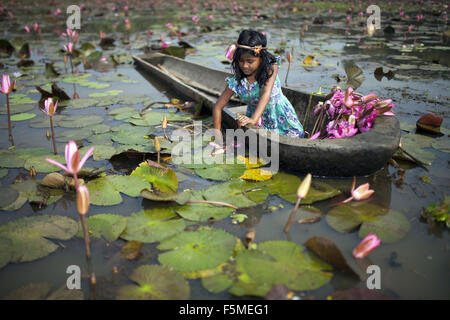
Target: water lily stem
column 9, row 121
column 86, row 236
column 53, row 136
column 71, row 63
column 291, row 217
column 287, row 73
column 218, row 203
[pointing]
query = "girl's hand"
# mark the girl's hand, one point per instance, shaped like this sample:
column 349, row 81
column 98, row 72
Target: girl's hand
column 243, row 120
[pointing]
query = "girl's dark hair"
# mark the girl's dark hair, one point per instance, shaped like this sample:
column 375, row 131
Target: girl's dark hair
column 253, row 38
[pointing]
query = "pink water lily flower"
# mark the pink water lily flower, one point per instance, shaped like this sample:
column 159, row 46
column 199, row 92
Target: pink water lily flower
column 74, row 164
column 169, row 25
column 27, row 29
column 50, row 108
column 360, row 193
column 315, row 136
column 69, row 47
column 6, row 86
column 370, row 242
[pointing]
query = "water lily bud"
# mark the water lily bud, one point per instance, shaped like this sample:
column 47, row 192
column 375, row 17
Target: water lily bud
column 289, row 57
column 157, row 145
column 48, row 135
column 164, row 122
column 65, row 59
column 303, row 189
column 82, row 200
column 32, row 172
column 370, row 242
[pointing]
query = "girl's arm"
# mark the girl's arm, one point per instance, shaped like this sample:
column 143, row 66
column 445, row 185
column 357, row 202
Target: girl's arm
column 217, row 111
column 263, row 100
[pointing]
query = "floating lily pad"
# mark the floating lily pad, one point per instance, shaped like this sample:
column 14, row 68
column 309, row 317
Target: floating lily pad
column 20, row 98
column 130, row 137
column 3, row 173
column 442, row 145
column 389, row 226
column 153, row 118
column 107, row 226
column 102, row 151
column 192, row 251
column 235, row 192
column 6, row 251
column 76, row 78
column 23, row 116
column 415, row 144
column 30, row 235
column 155, row 282
column 42, row 166
column 80, row 134
column 180, row 198
column 7, row 196
column 79, row 103
column 153, row 225
column 100, row 128
column 201, row 211
column 164, row 180
column 129, row 185
column 19, row 108
column 80, row 121
column 16, row 158
column 101, row 139
column 105, row 93
column 103, row 193
column 319, row 191
column 31, row 291
column 44, row 122
column 222, row 172
column 275, row 262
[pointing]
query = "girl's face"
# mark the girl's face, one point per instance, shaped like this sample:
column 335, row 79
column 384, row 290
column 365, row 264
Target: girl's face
column 249, row 64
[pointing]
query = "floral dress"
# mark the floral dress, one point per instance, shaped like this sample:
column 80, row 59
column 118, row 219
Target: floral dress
column 279, row 115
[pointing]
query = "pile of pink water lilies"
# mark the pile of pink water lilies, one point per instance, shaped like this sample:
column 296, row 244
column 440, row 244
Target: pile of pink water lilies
column 349, row 113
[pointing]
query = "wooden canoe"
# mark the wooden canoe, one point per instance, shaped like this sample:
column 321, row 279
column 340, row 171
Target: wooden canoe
column 362, row 154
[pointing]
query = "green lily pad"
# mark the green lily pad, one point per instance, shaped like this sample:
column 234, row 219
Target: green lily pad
column 102, row 138
column 389, row 226
column 44, row 121
column 30, row 235
column 129, row 185
column 16, row 158
column 153, row 225
column 180, row 198
column 203, row 211
column 235, row 192
column 130, row 137
column 23, row 116
column 80, row 121
column 100, row 128
column 76, row 78
column 442, row 145
column 102, row 151
column 222, row 172
column 155, row 282
column 414, row 144
column 192, row 251
column 6, row 251
column 107, row 226
column 105, row 93
column 20, row 98
column 80, row 103
column 153, row 118
column 103, row 193
column 217, row 284
column 3, row 173
column 275, row 262
column 42, row 166
column 7, row 196
column 31, row 291
column 19, row 108
column 80, row 134
column 319, row 191
column 164, row 180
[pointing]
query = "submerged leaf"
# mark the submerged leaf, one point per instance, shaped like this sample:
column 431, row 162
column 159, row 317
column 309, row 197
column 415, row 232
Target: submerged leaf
column 155, row 282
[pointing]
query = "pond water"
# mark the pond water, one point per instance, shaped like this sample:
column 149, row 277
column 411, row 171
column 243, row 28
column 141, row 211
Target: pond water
column 416, row 266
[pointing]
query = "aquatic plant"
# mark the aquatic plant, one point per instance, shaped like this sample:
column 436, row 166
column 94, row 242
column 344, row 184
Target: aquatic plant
column 49, row 110
column 302, row 191
column 6, row 87
column 349, row 113
column 369, row 243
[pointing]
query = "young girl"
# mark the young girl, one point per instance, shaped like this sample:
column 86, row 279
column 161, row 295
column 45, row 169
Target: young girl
column 256, row 82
